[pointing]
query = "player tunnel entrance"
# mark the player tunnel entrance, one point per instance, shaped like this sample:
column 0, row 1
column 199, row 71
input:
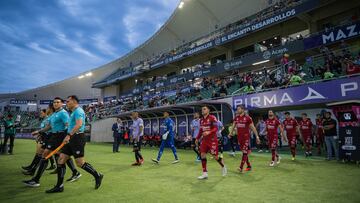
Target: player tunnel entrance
column 182, row 115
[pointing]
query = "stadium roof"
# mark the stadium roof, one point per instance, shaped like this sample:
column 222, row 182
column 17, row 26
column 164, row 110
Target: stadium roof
column 195, row 18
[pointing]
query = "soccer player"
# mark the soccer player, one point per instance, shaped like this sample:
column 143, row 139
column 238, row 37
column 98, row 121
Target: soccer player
column 291, row 126
column 75, row 146
column 219, row 135
column 137, row 134
column 232, row 139
column 58, row 124
column 306, row 127
column 261, row 125
column 167, row 139
column 209, row 142
column 41, row 140
column 272, row 126
column 195, row 127
column 319, row 133
column 243, row 123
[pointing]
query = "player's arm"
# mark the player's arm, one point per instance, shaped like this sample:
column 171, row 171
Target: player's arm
column 281, row 127
column 78, row 124
column 232, row 130
column 141, row 130
column 198, row 136
column 253, row 128
column 45, row 129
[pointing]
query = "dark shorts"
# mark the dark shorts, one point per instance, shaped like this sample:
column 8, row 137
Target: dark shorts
column 137, row 145
column 76, row 146
column 44, row 140
column 55, row 140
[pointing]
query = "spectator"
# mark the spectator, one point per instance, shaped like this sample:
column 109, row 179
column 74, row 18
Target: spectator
column 223, row 91
column 295, row 79
column 330, row 132
column 118, row 131
column 249, row 88
column 328, row 74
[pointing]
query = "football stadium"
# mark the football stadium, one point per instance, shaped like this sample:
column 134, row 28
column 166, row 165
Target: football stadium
column 226, row 101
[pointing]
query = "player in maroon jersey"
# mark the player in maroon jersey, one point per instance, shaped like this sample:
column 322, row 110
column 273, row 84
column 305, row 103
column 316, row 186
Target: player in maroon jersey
column 306, row 128
column 291, row 126
column 209, row 141
column 243, row 123
column 319, row 133
column 272, row 126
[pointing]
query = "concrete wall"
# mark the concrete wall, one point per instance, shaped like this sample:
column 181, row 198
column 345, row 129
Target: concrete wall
column 101, row 130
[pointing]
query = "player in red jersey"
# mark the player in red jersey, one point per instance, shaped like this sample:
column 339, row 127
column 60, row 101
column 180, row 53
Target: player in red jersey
column 272, row 126
column 306, row 128
column 291, row 126
column 209, row 141
column 243, row 123
column 319, row 133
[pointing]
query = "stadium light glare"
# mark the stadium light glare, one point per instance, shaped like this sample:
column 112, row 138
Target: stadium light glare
column 181, row 5
column 81, row 76
column 260, row 62
column 88, row 74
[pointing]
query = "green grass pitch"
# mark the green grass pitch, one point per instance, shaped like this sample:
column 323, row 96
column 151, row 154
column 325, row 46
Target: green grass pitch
column 303, row 180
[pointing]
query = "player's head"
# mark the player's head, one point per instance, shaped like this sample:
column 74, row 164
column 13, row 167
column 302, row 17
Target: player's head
column 328, row 114
column 196, row 115
column 205, row 110
column 287, row 115
column 118, row 120
column 72, row 102
column 134, row 115
column 50, row 109
column 304, row 116
column 58, row 103
column 43, row 113
column 240, row 109
column 271, row 114
column 166, row 114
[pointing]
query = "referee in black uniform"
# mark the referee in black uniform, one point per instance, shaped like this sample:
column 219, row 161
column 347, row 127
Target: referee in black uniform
column 75, row 146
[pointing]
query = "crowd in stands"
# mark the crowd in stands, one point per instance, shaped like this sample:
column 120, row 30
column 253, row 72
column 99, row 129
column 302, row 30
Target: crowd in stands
column 274, row 6
column 288, row 72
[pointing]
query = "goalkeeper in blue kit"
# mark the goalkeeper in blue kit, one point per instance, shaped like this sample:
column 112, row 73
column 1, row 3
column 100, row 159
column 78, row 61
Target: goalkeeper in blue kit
column 167, row 139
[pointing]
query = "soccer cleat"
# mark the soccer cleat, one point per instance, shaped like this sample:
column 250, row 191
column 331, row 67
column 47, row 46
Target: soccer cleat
column 278, row 160
column 26, row 168
column 293, row 158
column 306, row 154
column 240, row 170
column 310, row 153
column 272, row 163
column 31, row 183
column 141, row 161
column 56, row 189
column 203, row 176
column 30, row 172
column 176, row 161
column 198, row 159
column 260, row 151
column 232, row 153
column 98, row 181
column 74, row 177
column 223, row 171
column 155, row 161
column 136, row 164
column 248, row 168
